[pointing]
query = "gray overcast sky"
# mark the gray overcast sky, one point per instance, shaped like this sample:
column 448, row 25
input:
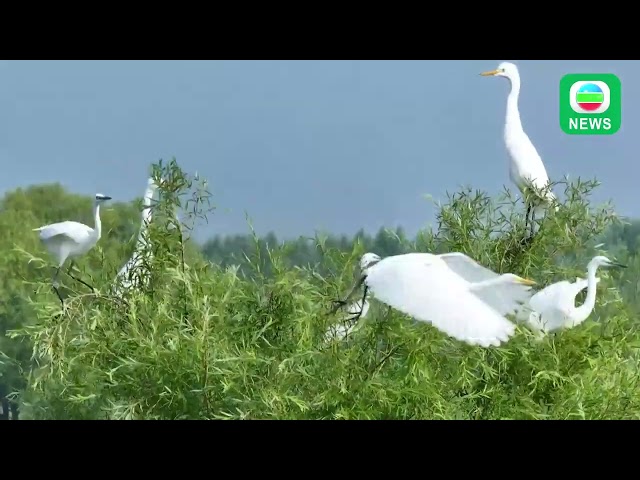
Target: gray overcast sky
column 301, row 145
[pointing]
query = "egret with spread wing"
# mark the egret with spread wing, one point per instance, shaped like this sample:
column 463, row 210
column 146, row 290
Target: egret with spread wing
column 553, row 308
column 452, row 292
column 526, row 168
column 70, row 240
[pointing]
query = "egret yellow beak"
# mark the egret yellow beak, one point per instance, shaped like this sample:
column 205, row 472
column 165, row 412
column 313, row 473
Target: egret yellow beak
column 490, row 73
column 526, row 281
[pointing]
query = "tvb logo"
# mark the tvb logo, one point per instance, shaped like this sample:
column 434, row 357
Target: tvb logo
column 590, row 104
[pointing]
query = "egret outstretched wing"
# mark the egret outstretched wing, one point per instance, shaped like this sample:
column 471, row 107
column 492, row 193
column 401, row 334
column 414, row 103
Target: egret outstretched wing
column 505, row 298
column 467, row 267
column 430, row 292
column 75, row 231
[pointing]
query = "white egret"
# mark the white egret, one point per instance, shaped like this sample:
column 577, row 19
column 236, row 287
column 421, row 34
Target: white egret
column 127, row 276
column 451, row 291
column 69, row 240
column 355, row 312
column 553, row 308
column 526, row 168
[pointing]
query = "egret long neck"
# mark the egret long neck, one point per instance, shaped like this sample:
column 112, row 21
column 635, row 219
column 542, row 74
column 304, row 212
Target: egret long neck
column 97, row 229
column 146, row 216
column 583, row 311
column 513, row 115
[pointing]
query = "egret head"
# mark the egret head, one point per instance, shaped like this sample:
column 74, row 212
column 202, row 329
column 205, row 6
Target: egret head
column 505, row 69
column 368, row 260
column 602, row 261
column 100, row 198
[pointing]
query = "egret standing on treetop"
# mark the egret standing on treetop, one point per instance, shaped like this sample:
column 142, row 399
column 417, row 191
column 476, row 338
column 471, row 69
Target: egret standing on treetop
column 72, row 239
column 127, row 276
column 526, row 168
column 553, row 308
column 451, row 291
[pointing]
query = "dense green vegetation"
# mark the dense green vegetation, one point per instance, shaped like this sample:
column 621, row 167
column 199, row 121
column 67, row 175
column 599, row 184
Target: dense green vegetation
column 235, row 328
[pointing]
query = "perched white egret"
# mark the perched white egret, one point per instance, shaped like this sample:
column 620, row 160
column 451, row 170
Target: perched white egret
column 550, row 295
column 354, row 313
column 127, row 275
column 69, row 240
column 553, row 308
column 526, row 168
column 451, row 291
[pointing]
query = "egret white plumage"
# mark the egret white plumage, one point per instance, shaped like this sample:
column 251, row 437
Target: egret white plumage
column 450, row 291
column 354, row 313
column 553, row 308
column 526, row 168
column 69, row 240
column 126, row 276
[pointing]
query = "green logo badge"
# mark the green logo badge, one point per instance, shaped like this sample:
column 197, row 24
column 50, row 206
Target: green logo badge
column 590, row 104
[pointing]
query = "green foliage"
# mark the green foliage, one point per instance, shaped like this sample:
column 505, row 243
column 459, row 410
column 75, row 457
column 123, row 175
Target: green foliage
column 20, row 212
column 243, row 337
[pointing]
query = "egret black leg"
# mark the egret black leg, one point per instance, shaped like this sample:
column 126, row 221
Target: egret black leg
column 364, row 297
column 59, row 296
column 54, row 284
column 529, row 220
column 526, row 218
column 342, row 303
column 533, row 223
column 78, row 280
